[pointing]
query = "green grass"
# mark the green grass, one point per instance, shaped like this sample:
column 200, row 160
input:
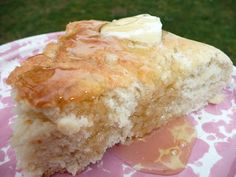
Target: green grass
column 209, row 21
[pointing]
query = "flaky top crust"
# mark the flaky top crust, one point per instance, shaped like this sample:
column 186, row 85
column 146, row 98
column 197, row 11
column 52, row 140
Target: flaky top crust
column 84, row 65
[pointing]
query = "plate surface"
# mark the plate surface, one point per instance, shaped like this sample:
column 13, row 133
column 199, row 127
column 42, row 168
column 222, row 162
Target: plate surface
column 213, row 155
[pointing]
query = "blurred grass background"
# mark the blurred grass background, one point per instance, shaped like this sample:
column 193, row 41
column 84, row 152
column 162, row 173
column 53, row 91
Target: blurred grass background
column 209, row 21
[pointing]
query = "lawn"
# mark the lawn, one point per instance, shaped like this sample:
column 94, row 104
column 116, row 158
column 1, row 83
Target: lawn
column 209, row 21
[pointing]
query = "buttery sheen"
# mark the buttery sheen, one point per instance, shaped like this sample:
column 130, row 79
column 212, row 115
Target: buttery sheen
column 142, row 28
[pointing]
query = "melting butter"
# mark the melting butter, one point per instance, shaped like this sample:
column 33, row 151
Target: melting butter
column 141, row 28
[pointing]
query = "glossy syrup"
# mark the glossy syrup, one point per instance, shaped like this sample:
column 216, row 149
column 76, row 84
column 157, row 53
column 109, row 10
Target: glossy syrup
column 164, row 152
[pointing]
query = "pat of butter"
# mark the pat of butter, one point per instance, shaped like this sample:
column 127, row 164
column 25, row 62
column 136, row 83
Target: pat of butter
column 142, row 28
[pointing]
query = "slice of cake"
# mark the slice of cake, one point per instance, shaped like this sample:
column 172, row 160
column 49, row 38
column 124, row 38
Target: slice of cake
column 103, row 83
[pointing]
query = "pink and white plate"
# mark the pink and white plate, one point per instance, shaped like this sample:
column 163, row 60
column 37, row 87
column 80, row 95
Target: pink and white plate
column 213, row 155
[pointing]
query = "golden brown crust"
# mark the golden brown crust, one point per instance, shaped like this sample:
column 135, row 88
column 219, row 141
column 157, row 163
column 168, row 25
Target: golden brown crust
column 76, row 68
column 83, row 65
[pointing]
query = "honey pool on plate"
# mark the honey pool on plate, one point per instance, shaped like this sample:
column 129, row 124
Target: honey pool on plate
column 165, row 151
